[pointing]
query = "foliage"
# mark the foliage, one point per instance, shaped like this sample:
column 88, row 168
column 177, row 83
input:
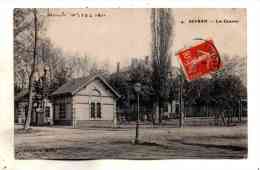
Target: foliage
column 161, row 26
column 124, row 82
column 62, row 67
column 24, row 44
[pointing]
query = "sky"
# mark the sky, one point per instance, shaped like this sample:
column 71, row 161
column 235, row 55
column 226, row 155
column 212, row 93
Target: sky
column 117, row 35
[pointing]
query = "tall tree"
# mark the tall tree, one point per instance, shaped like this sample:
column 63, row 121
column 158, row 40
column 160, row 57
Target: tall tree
column 28, row 117
column 161, row 26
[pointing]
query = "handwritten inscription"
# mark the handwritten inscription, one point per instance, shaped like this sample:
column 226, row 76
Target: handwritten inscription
column 53, row 13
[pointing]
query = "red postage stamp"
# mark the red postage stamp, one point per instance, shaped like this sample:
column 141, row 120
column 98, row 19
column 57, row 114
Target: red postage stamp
column 199, row 60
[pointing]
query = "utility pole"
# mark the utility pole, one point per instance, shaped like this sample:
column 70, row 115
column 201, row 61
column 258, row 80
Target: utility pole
column 180, row 103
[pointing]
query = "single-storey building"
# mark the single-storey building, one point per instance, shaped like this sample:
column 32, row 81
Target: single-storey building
column 41, row 111
column 85, row 101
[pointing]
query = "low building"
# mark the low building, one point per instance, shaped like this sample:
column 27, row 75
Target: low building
column 41, row 110
column 85, row 101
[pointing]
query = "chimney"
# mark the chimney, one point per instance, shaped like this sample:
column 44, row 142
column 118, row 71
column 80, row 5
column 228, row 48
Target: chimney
column 146, row 60
column 118, row 67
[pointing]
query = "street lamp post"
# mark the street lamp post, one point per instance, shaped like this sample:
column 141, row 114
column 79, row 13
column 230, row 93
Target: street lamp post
column 180, row 103
column 137, row 88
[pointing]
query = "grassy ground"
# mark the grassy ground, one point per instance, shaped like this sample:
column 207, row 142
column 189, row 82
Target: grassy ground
column 108, row 143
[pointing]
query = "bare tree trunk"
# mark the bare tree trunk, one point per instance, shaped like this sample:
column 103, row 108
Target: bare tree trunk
column 28, row 118
column 215, row 119
column 181, row 117
column 223, row 118
column 157, row 110
column 240, row 112
column 160, row 112
column 207, row 109
column 153, row 117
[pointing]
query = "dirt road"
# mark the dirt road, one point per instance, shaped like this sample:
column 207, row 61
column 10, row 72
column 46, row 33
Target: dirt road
column 108, row 143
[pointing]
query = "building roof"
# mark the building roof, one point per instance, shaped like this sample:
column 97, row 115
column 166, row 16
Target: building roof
column 75, row 85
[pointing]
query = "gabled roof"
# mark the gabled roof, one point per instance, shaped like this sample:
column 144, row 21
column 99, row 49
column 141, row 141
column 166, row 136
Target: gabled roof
column 75, row 85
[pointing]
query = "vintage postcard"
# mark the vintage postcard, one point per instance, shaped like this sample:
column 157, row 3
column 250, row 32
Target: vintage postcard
column 138, row 84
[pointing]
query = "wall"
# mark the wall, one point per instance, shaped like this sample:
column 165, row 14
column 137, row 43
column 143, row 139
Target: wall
column 67, row 100
column 50, row 118
column 20, row 112
column 94, row 92
column 94, row 123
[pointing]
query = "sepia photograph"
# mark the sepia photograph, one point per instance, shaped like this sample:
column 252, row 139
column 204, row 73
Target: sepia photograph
column 130, row 83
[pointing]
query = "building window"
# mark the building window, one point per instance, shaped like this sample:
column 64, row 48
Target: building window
column 62, row 111
column 95, row 110
column 98, row 110
column 92, row 110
